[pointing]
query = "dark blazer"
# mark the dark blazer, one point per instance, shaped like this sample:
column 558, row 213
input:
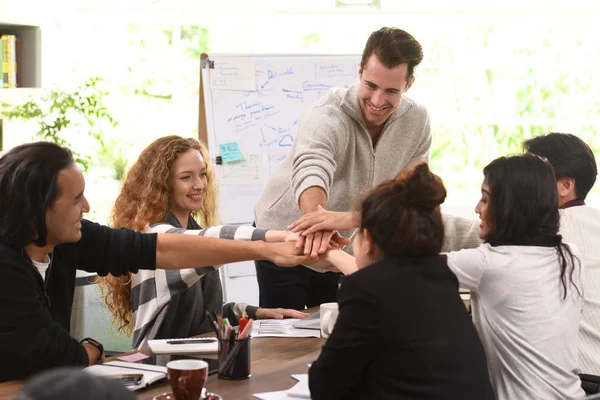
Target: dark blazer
column 35, row 314
column 402, row 333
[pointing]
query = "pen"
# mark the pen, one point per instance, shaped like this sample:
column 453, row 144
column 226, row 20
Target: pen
column 213, row 323
column 220, row 326
column 189, row 341
column 243, row 322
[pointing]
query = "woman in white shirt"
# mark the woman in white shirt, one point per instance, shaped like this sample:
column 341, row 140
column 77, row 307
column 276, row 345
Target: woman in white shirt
column 526, row 284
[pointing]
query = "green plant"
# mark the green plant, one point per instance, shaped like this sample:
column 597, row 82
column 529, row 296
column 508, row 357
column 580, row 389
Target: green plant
column 114, row 156
column 57, row 110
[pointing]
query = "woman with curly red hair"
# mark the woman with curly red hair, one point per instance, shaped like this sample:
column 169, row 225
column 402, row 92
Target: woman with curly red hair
column 171, row 183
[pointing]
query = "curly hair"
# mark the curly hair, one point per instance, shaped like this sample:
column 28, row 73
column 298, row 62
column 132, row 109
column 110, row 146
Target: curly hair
column 145, row 198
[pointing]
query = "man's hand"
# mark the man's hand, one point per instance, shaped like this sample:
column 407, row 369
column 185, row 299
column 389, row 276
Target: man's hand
column 286, row 254
column 322, row 220
column 93, row 353
column 317, row 243
column 279, row 313
column 320, row 242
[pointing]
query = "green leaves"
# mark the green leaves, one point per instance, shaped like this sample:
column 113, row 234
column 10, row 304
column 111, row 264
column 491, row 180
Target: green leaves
column 56, row 111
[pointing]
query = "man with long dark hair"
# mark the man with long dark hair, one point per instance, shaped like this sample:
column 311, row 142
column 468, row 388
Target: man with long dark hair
column 44, row 239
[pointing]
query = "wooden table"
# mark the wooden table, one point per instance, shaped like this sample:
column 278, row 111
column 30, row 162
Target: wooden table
column 273, row 361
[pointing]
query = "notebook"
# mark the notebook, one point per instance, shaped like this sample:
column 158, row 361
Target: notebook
column 184, row 346
column 152, row 373
column 281, row 328
column 313, row 321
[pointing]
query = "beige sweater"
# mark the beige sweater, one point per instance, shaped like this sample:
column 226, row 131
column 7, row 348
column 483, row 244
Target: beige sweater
column 333, row 150
column 460, row 233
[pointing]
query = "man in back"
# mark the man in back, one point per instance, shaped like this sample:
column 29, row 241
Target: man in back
column 575, row 168
column 347, row 142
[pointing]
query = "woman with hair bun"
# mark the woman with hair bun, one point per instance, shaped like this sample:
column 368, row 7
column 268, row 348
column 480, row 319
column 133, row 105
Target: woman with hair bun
column 402, row 330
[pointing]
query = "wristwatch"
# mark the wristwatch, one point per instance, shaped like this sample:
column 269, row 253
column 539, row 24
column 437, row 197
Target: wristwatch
column 94, row 343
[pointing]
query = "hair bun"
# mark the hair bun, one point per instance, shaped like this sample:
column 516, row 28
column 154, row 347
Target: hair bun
column 419, row 187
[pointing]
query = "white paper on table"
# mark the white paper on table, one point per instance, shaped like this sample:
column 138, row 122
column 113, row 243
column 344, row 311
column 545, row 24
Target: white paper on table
column 280, row 395
column 284, row 394
column 281, row 328
column 301, row 377
column 300, row 389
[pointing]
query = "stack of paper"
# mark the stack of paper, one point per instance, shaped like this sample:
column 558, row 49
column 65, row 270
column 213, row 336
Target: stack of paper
column 281, row 328
column 151, row 373
column 299, row 391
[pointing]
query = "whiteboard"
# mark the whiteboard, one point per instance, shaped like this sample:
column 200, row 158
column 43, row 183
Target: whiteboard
column 262, row 121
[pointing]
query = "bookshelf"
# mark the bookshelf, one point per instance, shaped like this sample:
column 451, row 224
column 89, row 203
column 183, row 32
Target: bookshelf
column 30, row 37
column 21, row 18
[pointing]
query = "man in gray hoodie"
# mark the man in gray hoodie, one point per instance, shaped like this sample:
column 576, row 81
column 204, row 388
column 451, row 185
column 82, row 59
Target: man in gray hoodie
column 347, row 142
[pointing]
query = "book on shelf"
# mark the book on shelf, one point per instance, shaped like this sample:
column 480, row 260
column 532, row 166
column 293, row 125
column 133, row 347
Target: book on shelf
column 9, row 62
column 1, row 63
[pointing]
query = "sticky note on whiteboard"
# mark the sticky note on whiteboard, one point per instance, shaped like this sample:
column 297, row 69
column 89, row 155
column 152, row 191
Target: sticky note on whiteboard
column 233, row 74
column 230, row 152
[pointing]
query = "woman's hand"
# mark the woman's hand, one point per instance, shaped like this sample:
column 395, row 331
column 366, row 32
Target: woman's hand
column 285, row 254
column 339, row 260
column 279, row 313
column 323, row 264
column 320, row 242
column 333, row 240
column 273, row 235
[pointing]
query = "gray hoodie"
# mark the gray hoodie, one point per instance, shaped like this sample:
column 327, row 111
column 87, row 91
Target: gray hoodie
column 333, row 150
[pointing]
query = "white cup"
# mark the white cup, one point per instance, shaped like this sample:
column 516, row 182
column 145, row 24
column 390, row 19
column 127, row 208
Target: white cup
column 329, row 313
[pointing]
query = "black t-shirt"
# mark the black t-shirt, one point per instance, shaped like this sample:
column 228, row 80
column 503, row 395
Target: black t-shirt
column 35, row 315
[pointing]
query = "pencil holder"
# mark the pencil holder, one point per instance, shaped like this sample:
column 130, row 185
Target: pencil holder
column 234, row 358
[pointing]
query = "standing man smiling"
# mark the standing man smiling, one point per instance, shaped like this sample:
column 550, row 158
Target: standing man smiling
column 347, row 142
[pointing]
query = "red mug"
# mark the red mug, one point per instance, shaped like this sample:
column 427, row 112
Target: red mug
column 187, row 378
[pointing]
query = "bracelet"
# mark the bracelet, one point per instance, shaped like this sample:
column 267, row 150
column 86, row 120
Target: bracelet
column 94, row 343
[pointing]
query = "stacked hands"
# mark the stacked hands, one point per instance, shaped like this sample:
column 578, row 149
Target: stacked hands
column 318, row 237
column 313, row 240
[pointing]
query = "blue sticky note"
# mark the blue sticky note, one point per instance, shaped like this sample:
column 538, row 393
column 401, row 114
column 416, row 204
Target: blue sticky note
column 230, row 152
